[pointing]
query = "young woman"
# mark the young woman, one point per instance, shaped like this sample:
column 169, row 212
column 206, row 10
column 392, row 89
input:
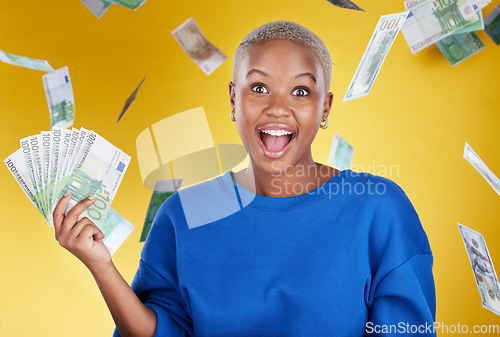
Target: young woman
column 286, row 247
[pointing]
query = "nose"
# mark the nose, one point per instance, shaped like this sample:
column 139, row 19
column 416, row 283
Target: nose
column 278, row 107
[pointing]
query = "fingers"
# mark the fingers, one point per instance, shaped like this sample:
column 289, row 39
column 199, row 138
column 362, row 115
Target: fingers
column 64, row 223
column 78, row 236
column 74, row 213
column 58, row 214
column 78, row 229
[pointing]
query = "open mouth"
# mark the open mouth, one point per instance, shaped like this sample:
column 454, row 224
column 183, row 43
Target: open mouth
column 276, row 140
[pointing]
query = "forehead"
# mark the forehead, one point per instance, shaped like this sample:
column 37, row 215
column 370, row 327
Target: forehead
column 281, row 55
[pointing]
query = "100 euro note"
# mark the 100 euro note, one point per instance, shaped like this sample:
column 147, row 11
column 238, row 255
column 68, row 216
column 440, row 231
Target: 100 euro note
column 431, row 21
column 492, row 25
column 99, row 171
column 29, row 146
column 163, row 190
column 380, row 43
column 207, row 56
column 460, row 46
column 19, row 170
column 60, row 99
column 130, row 4
column 341, row 153
column 116, row 229
column 25, row 62
column 473, row 5
column 482, row 267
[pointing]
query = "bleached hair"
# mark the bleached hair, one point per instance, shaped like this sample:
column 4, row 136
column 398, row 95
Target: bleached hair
column 285, row 30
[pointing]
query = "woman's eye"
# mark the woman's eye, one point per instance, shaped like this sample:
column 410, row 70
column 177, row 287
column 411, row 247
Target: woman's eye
column 300, row 92
column 259, row 89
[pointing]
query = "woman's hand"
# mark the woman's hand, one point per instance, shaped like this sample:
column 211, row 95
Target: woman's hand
column 81, row 238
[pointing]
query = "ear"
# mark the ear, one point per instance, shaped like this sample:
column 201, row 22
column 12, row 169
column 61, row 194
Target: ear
column 327, row 105
column 232, row 94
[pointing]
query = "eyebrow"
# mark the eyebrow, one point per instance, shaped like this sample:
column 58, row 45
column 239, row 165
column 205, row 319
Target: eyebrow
column 256, row 71
column 264, row 74
column 306, row 74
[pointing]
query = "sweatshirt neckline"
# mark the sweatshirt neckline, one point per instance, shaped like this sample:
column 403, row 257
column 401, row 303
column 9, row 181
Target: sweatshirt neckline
column 246, row 197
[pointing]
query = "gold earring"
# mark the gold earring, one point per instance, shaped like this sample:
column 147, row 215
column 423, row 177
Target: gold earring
column 231, row 115
column 324, row 126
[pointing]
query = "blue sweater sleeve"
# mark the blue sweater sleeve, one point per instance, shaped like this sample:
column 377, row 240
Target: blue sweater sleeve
column 404, row 303
column 401, row 299
column 156, row 282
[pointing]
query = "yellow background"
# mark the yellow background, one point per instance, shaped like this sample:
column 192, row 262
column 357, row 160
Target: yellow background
column 418, row 116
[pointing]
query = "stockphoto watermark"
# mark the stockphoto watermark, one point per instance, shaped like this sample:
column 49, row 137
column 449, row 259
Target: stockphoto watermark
column 405, row 328
column 369, row 186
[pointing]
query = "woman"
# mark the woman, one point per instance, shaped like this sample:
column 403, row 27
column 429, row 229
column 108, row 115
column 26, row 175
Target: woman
column 286, row 247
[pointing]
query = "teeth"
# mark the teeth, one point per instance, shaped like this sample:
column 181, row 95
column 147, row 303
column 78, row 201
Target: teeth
column 277, row 132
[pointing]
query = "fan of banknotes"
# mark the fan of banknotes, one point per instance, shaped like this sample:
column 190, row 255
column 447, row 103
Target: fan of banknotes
column 80, row 161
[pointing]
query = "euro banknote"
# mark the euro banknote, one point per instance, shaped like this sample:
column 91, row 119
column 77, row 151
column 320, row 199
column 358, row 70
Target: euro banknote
column 482, row 267
column 340, row 153
column 163, row 190
column 207, row 56
column 492, row 25
column 431, row 21
column 53, row 162
column 345, row 4
column 97, row 7
column 60, row 98
column 116, row 229
column 475, row 5
column 380, row 43
column 481, row 167
column 130, row 4
column 129, row 100
column 460, row 46
column 25, row 62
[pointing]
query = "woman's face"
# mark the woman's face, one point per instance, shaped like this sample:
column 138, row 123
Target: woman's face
column 279, row 98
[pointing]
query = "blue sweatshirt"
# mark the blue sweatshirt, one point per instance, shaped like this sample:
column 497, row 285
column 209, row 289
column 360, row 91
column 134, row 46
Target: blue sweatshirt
column 349, row 258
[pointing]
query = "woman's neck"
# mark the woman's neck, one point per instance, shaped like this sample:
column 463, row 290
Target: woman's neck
column 296, row 180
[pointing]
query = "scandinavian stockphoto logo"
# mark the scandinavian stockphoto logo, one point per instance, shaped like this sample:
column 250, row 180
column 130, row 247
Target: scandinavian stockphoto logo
column 350, row 182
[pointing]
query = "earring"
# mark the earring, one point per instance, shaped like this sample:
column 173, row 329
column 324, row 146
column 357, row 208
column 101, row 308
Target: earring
column 231, row 115
column 324, row 126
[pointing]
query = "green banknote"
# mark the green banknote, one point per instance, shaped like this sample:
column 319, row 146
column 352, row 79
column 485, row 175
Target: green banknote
column 432, row 20
column 45, row 149
column 97, row 7
column 473, row 5
column 53, row 162
column 17, row 167
column 26, row 62
column 116, row 229
column 60, row 99
column 340, row 153
column 458, row 47
column 44, row 170
column 35, row 144
column 30, row 167
column 380, row 43
column 492, row 25
column 163, row 190
column 482, row 267
column 130, row 4
column 99, row 171
column 64, row 146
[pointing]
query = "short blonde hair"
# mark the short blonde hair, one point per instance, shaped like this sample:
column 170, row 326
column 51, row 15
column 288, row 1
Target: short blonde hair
column 290, row 31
